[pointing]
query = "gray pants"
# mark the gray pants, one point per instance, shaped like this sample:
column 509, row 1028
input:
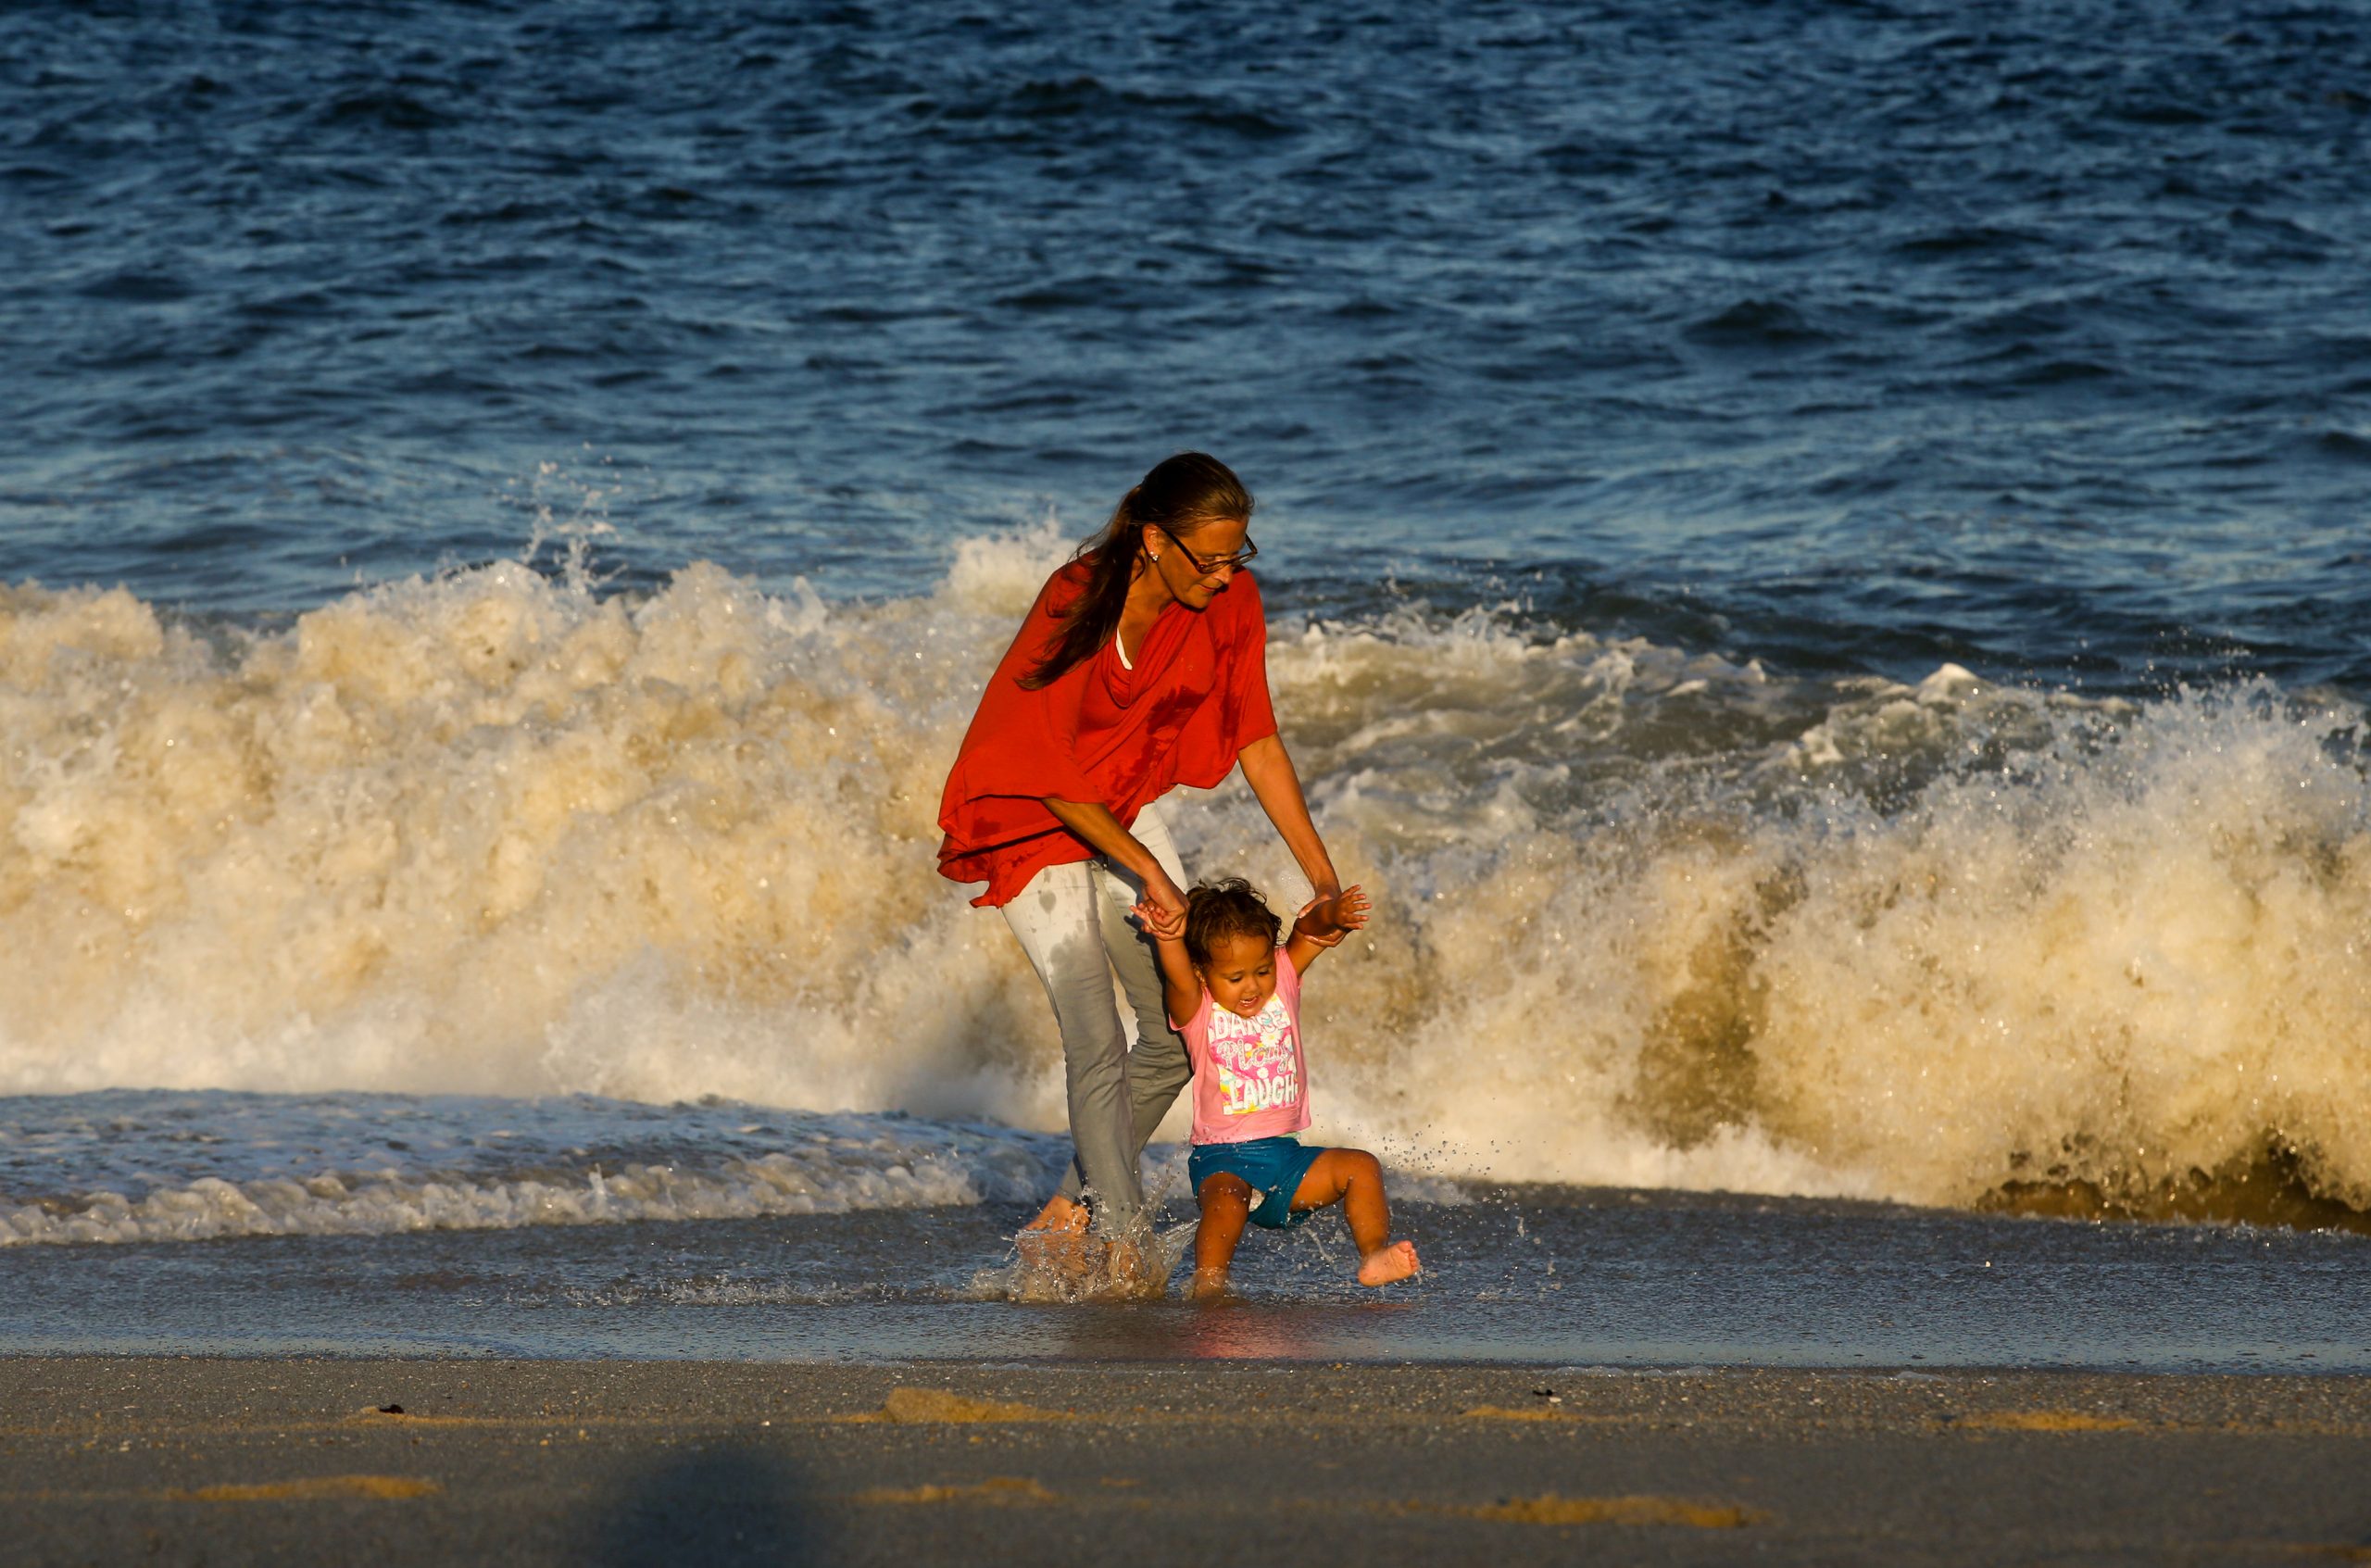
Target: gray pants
column 1073, row 922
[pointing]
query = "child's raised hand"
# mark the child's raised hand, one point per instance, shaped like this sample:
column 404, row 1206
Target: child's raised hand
column 1326, row 920
column 1167, row 925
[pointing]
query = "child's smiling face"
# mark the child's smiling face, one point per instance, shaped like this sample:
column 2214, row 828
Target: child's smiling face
column 1241, row 974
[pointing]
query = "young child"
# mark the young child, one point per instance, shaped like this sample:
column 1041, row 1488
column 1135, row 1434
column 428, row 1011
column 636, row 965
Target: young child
column 1235, row 996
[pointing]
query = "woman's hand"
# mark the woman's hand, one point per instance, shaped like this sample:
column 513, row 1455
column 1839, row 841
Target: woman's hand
column 1181, row 988
column 1102, row 831
column 1323, row 923
column 1166, row 926
column 1163, row 894
column 1325, row 920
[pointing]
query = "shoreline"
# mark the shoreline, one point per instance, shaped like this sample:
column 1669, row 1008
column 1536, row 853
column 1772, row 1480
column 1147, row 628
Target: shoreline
column 1025, row 1364
column 433, row 1460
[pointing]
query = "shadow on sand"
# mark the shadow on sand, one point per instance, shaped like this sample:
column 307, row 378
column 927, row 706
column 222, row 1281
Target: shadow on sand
column 725, row 1503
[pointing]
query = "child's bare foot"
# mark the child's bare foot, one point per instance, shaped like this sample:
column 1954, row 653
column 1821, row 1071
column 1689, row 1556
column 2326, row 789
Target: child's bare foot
column 1387, row 1263
column 1208, row 1287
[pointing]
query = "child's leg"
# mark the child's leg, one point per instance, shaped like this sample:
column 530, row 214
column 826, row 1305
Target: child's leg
column 1226, row 1199
column 1354, row 1178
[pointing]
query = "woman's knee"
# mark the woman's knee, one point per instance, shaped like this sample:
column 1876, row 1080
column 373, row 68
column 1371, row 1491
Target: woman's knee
column 1160, row 1065
column 1094, row 1058
column 1094, row 1043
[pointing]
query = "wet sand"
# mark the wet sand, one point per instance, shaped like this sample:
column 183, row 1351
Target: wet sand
column 184, row 1461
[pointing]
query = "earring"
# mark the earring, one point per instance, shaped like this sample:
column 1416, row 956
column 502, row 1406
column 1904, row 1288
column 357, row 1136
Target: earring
column 1156, row 557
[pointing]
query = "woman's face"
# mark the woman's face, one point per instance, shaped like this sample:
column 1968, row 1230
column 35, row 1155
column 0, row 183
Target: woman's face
column 1216, row 541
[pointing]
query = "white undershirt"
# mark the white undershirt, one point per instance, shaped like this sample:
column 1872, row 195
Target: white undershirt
column 1121, row 651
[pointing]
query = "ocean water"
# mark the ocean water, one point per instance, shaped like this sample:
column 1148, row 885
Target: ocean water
column 1819, row 568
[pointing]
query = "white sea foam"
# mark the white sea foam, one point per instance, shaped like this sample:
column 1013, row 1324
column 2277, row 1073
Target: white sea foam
column 162, row 1166
column 1645, row 916
column 328, row 1205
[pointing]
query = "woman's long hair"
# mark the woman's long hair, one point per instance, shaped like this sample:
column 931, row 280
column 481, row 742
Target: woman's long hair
column 1179, row 493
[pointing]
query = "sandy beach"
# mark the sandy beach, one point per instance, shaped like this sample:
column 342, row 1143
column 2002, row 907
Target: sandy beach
column 187, row 1460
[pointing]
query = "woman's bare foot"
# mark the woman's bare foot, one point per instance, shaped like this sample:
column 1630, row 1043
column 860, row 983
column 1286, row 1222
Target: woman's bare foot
column 1059, row 1214
column 1387, row 1263
column 1058, row 1246
column 1130, row 1271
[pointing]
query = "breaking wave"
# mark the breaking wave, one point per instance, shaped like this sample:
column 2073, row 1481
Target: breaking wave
column 1647, row 916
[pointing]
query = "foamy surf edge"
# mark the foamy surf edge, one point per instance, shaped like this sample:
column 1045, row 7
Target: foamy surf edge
column 214, row 1167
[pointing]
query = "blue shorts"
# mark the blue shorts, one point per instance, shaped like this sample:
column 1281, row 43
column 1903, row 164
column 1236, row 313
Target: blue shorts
column 1272, row 1167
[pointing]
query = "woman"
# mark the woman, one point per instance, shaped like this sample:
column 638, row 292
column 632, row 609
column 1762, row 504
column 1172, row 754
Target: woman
column 1142, row 666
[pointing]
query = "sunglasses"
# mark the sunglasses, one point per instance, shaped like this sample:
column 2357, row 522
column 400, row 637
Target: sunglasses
column 1210, row 566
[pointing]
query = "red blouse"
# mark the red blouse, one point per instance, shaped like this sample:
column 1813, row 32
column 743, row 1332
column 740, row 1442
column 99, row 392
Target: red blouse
column 1198, row 695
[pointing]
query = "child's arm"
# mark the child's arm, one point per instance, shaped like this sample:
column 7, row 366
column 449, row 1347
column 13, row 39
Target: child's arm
column 1181, row 988
column 1323, row 924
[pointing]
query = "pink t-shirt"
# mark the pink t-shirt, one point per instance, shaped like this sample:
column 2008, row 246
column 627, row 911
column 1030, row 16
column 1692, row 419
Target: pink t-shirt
column 1249, row 1080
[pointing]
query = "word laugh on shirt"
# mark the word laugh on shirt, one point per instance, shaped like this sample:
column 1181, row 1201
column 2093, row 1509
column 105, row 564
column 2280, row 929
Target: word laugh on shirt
column 1255, row 1060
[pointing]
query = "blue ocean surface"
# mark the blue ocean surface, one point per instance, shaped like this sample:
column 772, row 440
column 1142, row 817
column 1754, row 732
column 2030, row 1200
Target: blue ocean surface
column 1858, row 336
column 1818, row 569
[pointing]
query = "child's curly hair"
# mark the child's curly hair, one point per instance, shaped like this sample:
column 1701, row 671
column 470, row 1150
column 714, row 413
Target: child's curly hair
column 1229, row 907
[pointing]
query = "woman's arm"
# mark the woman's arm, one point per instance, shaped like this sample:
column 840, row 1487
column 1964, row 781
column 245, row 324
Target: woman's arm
column 1268, row 771
column 1093, row 821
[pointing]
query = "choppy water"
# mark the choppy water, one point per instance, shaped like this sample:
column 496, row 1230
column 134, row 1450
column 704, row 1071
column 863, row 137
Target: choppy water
column 1847, row 334
column 1818, row 550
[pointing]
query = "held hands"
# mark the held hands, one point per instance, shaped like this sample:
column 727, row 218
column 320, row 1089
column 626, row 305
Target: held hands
column 1166, row 926
column 1326, row 919
column 1161, row 893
